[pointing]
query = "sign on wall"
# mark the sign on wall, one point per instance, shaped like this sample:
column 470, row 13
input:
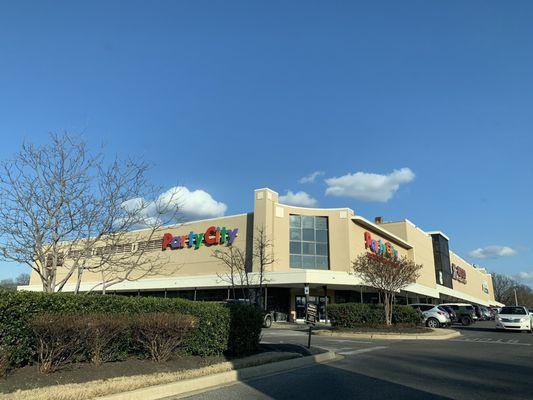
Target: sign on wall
column 385, row 249
column 458, row 273
column 212, row 236
column 485, row 287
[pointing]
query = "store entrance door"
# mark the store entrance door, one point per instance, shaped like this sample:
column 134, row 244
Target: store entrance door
column 319, row 301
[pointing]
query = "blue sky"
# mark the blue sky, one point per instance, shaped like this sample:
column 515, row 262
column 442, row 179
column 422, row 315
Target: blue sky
column 226, row 97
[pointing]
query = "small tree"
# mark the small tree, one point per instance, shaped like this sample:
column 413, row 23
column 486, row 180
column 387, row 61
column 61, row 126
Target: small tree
column 388, row 275
column 235, row 274
column 262, row 258
column 240, row 275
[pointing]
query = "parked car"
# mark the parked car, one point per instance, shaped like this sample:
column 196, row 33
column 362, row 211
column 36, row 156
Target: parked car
column 485, row 313
column 477, row 311
column 434, row 317
column 451, row 313
column 493, row 313
column 515, row 318
column 466, row 314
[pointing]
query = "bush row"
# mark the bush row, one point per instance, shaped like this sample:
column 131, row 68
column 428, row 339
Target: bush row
column 99, row 338
column 233, row 329
column 352, row 315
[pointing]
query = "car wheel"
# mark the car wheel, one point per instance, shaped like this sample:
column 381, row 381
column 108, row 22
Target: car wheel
column 432, row 323
column 268, row 321
column 466, row 321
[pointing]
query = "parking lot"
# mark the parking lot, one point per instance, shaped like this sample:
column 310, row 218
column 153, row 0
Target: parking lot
column 480, row 364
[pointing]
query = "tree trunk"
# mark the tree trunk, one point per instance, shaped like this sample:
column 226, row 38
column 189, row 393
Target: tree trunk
column 388, row 309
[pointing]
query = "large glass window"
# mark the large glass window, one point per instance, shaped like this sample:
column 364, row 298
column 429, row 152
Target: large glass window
column 309, row 242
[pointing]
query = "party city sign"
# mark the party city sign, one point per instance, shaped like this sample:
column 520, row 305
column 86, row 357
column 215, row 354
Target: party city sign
column 385, row 249
column 212, row 236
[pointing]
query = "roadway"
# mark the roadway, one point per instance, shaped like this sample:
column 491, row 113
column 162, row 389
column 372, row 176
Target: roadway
column 481, row 364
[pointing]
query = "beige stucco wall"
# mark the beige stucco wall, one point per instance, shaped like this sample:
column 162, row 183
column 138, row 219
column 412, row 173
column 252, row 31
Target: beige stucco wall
column 346, row 242
column 357, row 241
column 422, row 251
column 474, row 280
column 180, row 262
column 346, row 237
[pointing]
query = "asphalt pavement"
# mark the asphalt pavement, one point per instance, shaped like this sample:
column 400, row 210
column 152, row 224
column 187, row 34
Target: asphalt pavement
column 481, row 364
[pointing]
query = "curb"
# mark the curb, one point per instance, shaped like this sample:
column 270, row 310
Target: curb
column 382, row 336
column 223, row 378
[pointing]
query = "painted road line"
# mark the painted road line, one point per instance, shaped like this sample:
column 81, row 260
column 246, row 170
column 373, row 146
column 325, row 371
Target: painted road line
column 361, row 351
column 348, row 341
column 490, row 341
column 284, row 333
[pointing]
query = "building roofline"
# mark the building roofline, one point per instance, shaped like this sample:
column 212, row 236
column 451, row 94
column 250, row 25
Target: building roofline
column 318, row 208
column 385, row 233
column 203, row 220
column 438, row 233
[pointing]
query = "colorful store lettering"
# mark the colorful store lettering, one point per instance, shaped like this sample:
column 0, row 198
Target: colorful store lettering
column 212, row 236
column 385, row 249
column 458, row 273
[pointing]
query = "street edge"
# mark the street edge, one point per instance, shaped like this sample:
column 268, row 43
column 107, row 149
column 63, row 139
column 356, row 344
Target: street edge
column 381, row 336
column 223, row 378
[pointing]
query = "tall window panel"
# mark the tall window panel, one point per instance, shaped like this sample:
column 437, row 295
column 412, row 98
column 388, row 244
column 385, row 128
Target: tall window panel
column 309, row 246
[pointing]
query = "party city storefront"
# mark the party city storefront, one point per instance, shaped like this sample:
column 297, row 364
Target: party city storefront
column 313, row 250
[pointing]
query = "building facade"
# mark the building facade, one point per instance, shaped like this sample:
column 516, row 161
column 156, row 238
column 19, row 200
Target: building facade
column 312, row 249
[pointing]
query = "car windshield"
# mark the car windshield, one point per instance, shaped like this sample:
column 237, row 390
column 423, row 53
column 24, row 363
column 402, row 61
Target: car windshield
column 513, row 310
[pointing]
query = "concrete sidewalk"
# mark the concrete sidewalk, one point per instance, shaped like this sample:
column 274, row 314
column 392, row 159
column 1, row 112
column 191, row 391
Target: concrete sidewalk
column 435, row 334
column 187, row 387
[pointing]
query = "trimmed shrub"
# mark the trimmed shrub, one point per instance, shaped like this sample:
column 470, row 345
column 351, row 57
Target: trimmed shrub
column 59, row 339
column 245, row 329
column 214, row 334
column 352, row 315
column 160, row 334
column 5, row 355
column 108, row 337
column 406, row 315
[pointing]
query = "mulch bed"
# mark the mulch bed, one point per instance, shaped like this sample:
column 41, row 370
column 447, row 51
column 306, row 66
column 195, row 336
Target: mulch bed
column 29, row 377
column 385, row 329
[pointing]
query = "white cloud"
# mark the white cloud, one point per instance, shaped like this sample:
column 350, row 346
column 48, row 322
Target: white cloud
column 525, row 276
column 311, row 177
column 368, row 186
column 298, row 199
column 196, row 204
column 492, row 252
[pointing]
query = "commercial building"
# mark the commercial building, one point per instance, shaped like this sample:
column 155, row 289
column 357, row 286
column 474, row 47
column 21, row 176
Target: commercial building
column 311, row 247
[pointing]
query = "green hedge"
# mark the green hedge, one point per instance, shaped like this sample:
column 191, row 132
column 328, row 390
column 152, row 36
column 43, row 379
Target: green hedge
column 352, row 315
column 215, row 334
column 245, row 329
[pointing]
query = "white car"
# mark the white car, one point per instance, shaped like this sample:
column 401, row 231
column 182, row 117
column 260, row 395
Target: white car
column 434, row 317
column 515, row 318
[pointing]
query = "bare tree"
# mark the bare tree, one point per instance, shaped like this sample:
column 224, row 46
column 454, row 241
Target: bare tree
column 11, row 284
column 239, row 275
column 388, row 275
column 22, row 279
column 64, row 211
column 504, row 288
column 236, row 275
column 262, row 260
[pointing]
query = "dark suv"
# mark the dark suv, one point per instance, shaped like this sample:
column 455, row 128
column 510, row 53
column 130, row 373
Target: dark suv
column 465, row 313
